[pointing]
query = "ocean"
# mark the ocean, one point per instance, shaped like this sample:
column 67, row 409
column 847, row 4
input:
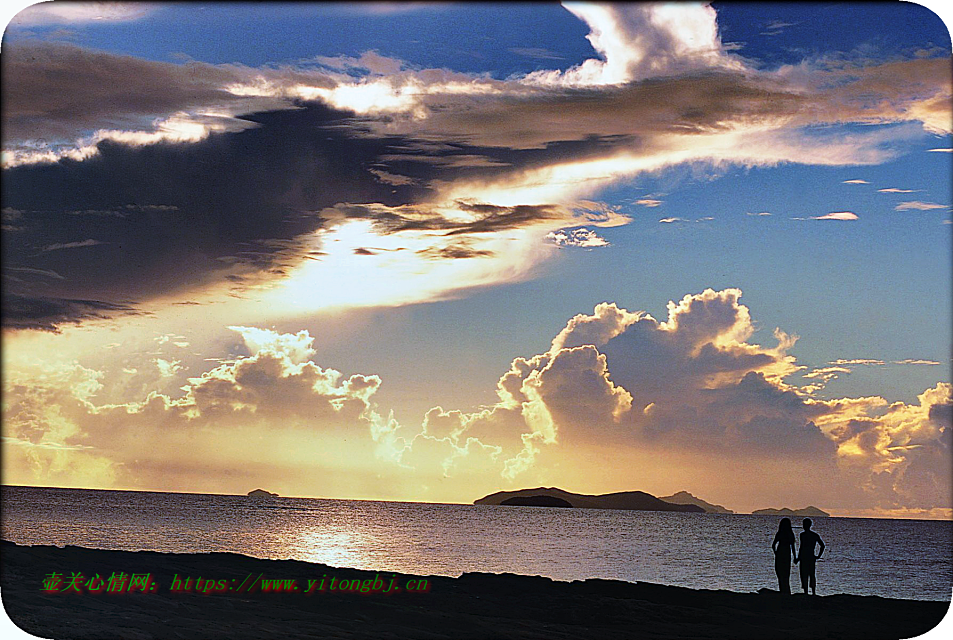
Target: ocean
column 864, row 556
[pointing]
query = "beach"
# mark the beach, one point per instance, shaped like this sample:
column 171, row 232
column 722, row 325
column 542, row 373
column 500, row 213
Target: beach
column 244, row 597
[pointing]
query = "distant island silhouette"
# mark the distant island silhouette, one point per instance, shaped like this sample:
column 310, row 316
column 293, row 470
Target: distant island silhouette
column 682, row 501
column 806, row 512
column 536, row 501
column 624, row 500
column 261, row 493
column 684, row 497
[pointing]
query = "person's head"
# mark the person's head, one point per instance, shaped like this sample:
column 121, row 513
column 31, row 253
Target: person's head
column 785, row 525
column 807, row 524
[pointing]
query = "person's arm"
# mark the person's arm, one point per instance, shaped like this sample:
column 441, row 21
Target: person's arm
column 821, row 552
column 774, row 545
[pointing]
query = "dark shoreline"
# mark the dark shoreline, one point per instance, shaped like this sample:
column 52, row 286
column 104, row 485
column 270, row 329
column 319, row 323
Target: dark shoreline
column 475, row 605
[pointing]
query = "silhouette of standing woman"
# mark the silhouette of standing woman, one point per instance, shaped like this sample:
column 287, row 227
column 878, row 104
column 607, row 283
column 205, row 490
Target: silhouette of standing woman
column 807, row 558
column 783, row 547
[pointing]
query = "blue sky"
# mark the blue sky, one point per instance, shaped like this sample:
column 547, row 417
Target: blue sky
column 426, row 196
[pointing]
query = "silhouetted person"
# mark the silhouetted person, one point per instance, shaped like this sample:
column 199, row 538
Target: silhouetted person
column 806, row 556
column 783, row 547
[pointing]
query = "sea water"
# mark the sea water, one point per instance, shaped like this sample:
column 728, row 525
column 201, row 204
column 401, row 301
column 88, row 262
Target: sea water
column 891, row 558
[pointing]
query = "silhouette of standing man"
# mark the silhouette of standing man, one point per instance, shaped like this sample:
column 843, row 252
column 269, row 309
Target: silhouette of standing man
column 807, row 558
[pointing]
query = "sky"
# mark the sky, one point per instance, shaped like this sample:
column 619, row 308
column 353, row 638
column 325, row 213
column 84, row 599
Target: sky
column 418, row 251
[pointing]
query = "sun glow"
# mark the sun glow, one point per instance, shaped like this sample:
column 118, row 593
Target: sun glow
column 378, row 96
column 360, row 267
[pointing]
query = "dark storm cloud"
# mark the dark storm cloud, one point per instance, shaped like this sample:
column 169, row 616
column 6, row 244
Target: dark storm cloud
column 136, row 222
column 56, row 91
column 168, row 216
column 47, row 314
column 694, row 104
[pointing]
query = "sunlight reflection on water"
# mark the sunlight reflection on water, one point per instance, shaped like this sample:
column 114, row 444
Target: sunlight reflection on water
column 334, row 548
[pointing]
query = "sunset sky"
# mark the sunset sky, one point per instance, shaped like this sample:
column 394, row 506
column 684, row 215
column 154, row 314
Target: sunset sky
column 431, row 251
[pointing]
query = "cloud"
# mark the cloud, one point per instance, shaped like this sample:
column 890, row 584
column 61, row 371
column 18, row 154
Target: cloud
column 619, row 399
column 761, row 213
column 895, row 190
column 40, row 272
column 89, row 242
column 856, row 182
column 669, row 220
column 238, row 205
column 372, row 9
column 919, row 206
column 49, row 313
column 656, row 58
column 635, row 42
column 48, row 13
column 648, row 202
column 694, row 389
column 390, row 178
column 292, row 158
column 369, row 61
column 897, row 78
column 826, row 373
column 941, row 150
column 819, row 378
column 287, row 410
column 611, row 362
column 168, row 368
column 57, row 91
column 635, row 116
column 454, row 251
column 537, row 53
column 906, row 449
column 775, row 27
column 577, row 238
column 837, row 215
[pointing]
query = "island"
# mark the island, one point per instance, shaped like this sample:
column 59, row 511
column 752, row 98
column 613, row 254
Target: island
column 806, row 512
column 684, row 497
column 536, row 501
column 623, row 500
column 261, row 493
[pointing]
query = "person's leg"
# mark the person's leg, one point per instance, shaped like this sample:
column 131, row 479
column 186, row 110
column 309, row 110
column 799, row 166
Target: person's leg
column 804, row 576
column 784, row 577
column 814, row 581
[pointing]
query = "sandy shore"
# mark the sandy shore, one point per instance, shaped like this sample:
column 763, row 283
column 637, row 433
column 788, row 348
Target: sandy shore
column 472, row 606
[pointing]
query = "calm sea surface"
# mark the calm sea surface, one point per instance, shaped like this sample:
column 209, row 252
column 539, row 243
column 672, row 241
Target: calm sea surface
column 893, row 558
